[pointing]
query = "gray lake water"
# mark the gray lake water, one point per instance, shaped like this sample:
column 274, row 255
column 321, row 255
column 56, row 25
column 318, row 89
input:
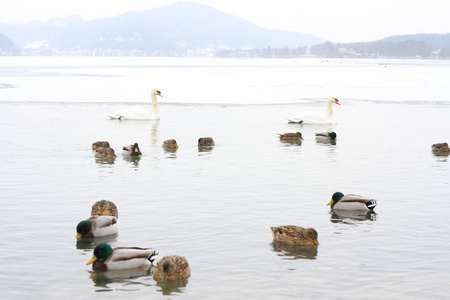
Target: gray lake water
column 215, row 207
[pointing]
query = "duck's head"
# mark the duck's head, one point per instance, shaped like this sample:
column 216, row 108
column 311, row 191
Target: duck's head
column 157, row 92
column 336, row 197
column 135, row 147
column 83, row 228
column 334, row 99
column 101, row 252
column 168, row 268
column 312, row 235
column 333, row 135
column 299, row 134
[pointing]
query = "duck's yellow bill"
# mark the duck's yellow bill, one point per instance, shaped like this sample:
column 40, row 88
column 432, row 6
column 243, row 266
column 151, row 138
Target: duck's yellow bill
column 78, row 236
column 94, row 258
column 316, row 242
column 331, row 202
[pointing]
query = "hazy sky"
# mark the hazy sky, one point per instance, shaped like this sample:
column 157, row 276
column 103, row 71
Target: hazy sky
column 333, row 20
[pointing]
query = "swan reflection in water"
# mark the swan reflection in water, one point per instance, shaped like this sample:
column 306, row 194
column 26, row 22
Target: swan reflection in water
column 350, row 216
column 126, row 277
column 290, row 251
column 169, row 287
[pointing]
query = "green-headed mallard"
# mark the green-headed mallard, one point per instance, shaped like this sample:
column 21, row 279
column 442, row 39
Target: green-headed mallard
column 97, row 226
column 326, row 136
column 440, row 147
column 172, row 267
column 106, row 258
column 295, row 235
column 205, row 142
column 351, row 202
column 313, row 117
column 291, row 136
column 172, row 144
column 131, row 150
column 104, row 208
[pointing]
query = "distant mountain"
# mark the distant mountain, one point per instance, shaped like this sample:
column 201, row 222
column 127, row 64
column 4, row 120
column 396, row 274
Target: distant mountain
column 177, row 28
column 437, row 41
column 414, row 45
column 7, row 46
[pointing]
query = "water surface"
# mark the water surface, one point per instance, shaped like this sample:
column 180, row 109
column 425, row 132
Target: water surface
column 215, row 206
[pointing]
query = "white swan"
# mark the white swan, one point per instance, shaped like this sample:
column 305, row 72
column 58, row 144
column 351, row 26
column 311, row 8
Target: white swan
column 137, row 113
column 313, row 117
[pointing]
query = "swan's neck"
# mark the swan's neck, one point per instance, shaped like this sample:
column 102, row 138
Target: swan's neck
column 330, row 109
column 154, row 105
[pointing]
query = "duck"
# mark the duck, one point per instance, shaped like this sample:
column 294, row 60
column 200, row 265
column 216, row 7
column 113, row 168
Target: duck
column 131, row 150
column 98, row 144
column 97, row 226
column 170, row 144
column 172, row 267
column 326, row 136
column 205, row 142
column 440, row 147
column 137, row 113
column 352, row 202
column 313, row 117
column 296, row 235
column 291, row 136
column 104, row 153
column 106, row 258
column 104, row 208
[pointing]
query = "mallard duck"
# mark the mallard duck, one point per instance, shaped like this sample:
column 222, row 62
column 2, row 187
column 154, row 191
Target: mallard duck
column 205, row 142
column 131, row 150
column 351, row 202
column 172, row 267
column 296, row 235
column 326, row 136
column 170, row 144
column 440, row 147
column 104, row 153
column 98, row 144
column 104, row 208
column 106, row 258
column 291, row 136
column 97, row 226
column 313, row 117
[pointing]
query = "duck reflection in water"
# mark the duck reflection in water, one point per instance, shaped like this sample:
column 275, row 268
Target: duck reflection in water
column 169, row 287
column 291, row 251
column 349, row 216
column 91, row 243
column 133, row 159
column 125, row 277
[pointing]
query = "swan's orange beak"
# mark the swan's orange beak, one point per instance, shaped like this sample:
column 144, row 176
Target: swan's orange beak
column 337, row 102
column 159, row 94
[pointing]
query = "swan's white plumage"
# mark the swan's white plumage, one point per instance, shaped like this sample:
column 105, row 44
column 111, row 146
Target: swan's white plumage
column 314, row 117
column 137, row 113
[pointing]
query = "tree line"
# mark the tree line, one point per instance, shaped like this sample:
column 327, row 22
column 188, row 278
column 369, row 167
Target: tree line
column 377, row 49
